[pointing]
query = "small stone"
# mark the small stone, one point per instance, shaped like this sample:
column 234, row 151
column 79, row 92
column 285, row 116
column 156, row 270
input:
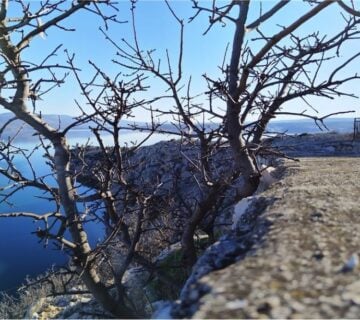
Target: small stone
column 326, row 310
column 282, row 312
column 61, row 301
column 351, row 264
column 297, row 306
column 352, row 313
column 352, row 293
column 34, row 308
column 334, row 301
column 49, row 312
column 85, row 299
column 274, row 301
column 73, row 303
column 236, row 304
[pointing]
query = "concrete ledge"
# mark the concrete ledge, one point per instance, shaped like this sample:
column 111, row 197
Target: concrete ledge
column 306, row 264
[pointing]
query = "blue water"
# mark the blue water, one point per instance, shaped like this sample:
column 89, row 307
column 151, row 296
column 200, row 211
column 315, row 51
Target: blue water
column 22, row 255
column 340, row 125
column 21, row 252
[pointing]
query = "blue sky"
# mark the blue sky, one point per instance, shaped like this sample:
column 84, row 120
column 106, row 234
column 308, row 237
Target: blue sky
column 157, row 29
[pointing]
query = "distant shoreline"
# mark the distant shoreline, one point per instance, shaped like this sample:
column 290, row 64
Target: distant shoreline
column 28, row 135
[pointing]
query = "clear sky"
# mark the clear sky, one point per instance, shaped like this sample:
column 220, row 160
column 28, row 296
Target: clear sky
column 158, row 30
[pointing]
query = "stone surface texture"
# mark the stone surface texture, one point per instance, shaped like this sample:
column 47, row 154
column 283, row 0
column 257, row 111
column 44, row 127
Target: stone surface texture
column 304, row 264
column 293, row 253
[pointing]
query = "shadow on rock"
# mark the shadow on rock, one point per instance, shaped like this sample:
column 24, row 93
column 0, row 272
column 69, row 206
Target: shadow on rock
column 231, row 248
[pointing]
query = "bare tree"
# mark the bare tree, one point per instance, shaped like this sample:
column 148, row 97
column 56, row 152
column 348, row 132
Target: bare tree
column 19, row 85
column 129, row 208
column 278, row 72
column 257, row 80
column 260, row 80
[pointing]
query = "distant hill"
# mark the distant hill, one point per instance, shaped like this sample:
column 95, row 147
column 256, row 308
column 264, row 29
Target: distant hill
column 341, row 125
column 25, row 132
column 53, row 119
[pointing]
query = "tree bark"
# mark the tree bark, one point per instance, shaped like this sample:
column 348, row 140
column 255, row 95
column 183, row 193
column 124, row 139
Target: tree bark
column 243, row 161
column 82, row 252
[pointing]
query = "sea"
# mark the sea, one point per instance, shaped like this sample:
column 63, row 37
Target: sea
column 23, row 256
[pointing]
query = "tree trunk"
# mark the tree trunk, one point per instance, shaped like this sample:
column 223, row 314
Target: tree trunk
column 243, row 162
column 66, row 189
column 187, row 239
column 83, row 255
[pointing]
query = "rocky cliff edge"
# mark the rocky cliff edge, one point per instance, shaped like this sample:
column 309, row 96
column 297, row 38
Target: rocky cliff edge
column 297, row 259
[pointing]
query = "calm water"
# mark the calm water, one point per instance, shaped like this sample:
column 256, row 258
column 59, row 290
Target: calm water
column 341, row 125
column 20, row 252
column 22, row 255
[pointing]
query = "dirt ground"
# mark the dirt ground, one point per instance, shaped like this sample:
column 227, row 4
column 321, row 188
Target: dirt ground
column 306, row 265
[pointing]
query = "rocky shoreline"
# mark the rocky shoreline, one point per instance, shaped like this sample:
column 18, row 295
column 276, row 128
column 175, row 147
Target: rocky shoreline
column 304, row 260
column 329, row 144
column 265, row 265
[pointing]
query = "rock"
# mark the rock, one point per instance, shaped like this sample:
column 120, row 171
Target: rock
column 174, row 166
column 134, row 281
column 69, row 306
column 219, row 255
column 352, row 293
column 49, row 311
column 292, row 250
column 62, row 301
column 162, row 309
column 85, row 299
column 227, row 250
column 240, row 209
column 267, row 178
column 236, row 304
column 272, row 263
column 170, row 251
column 351, row 264
column 169, row 263
column 146, row 290
column 33, row 309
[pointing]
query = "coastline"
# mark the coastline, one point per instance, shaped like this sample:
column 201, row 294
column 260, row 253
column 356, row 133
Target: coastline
column 261, row 212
